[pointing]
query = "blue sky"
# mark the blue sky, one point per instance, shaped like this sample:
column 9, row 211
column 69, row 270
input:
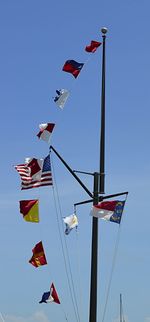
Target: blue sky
column 37, row 37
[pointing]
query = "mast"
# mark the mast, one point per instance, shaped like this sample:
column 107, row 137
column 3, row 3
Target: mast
column 99, row 186
column 121, row 308
column 97, row 195
column 102, row 129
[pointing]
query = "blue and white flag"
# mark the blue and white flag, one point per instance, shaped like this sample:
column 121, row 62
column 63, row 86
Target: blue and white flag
column 61, row 97
column 71, row 222
column 50, row 296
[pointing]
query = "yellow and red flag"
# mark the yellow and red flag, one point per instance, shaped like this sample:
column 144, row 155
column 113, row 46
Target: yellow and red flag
column 38, row 258
column 30, row 210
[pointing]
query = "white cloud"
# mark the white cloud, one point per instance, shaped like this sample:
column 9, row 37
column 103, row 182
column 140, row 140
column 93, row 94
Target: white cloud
column 36, row 317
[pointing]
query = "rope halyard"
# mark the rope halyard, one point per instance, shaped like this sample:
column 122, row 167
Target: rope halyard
column 64, row 246
column 113, row 265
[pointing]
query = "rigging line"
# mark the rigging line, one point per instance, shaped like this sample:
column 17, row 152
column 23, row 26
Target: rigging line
column 112, row 268
column 74, row 302
column 64, row 312
column 111, row 273
column 63, row 252
column 123, row 314
column 79, row 270
column 68, row 258
column 2, row 317
column 73, row 289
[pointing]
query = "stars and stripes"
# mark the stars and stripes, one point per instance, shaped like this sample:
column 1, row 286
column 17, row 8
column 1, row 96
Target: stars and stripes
column 35, row 173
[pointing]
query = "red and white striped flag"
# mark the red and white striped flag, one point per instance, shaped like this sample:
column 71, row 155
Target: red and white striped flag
column 35, row 173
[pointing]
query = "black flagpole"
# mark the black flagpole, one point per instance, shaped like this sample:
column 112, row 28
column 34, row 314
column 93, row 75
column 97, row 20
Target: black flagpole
column 120, row 308
column 102, row 132
column 98, row 189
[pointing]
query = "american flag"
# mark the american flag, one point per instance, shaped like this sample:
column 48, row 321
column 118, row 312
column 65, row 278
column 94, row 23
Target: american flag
column 38, row 179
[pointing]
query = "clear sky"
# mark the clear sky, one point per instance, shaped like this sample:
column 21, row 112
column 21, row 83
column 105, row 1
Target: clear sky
column 36, row 38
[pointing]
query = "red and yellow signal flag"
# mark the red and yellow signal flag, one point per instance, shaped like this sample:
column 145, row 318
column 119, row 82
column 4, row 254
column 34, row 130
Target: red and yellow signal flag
column 30, row 210
column 38, row 258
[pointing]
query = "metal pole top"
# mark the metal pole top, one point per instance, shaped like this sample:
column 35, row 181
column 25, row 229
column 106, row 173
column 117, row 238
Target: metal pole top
column 104, row 30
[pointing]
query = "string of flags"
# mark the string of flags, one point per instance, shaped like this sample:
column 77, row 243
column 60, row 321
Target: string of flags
column 35, row 173
column 73, row 67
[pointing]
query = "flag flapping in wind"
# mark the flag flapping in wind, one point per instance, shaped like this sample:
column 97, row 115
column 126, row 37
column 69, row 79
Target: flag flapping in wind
column 70, row 222
column 35, row 173
column 109, row 210
column 50, row 296
column 46, row 130
column 30, row 210
column 93, row 46
column 38, row 258
column 61, row 97
column 73, row 67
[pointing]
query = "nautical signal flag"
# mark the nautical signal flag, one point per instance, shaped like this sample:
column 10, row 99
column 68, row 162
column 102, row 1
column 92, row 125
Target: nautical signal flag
column 93, row 46
column 38, row 258
column 61, row 97
column 73, row 67
column 45, row 131
column 109, row 210
column 71, row 222
column 51, row 296
column 35, row 173
column 30, row 210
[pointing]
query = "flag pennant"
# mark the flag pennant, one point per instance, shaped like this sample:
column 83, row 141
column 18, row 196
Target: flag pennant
column 70, row 222
column 93, row 46
column 45, row 131
column 51, row 296
column 38, row 258
column 61, row 97
column 30, row 210
column 73, row 67
column 109, row 210
column 35, row 173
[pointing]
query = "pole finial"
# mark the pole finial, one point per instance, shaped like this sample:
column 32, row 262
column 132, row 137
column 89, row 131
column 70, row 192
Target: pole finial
column 104, row 30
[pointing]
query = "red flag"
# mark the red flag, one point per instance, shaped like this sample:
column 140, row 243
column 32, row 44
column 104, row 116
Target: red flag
column 34, row 167
column 93, row 46
column 54, row 294
column 38, row 258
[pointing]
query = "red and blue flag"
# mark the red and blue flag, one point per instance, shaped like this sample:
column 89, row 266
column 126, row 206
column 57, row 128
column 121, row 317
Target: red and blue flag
column 73, row 67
